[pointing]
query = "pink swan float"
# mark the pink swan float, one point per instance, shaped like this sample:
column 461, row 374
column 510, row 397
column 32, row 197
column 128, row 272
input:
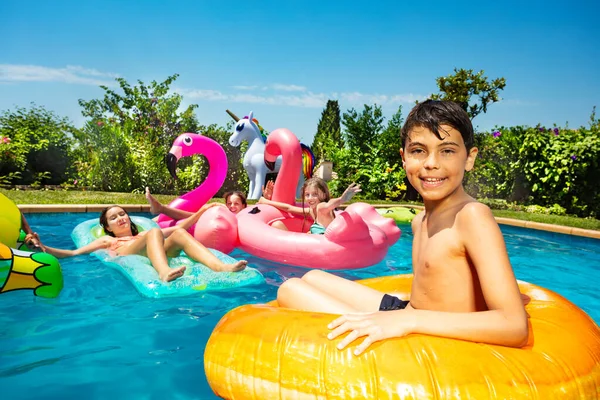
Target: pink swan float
column 217, row 227
column 357, row 237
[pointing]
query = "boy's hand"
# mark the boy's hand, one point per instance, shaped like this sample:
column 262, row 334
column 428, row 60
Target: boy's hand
column 375, row 326
column 350, row 192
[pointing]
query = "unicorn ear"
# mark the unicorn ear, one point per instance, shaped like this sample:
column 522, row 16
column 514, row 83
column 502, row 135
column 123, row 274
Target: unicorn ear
column 250, row 116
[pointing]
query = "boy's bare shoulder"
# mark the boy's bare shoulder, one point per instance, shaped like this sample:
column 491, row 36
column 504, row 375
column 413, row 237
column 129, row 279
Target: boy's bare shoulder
column 417, row 220
column 474, row 212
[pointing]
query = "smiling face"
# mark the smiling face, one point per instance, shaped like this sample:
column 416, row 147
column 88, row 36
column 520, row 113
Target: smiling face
column 436, row 167
column 117, row 222
column 234, row 203
column 313, row 195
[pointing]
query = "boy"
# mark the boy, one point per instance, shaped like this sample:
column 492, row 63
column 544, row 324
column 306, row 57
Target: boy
column 463, row 285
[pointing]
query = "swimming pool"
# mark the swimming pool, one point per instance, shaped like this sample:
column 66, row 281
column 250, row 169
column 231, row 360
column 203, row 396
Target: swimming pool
column 101, row 339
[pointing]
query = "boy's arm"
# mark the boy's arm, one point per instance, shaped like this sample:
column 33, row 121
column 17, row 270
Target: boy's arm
column 284, row 206
column 338, row 201
column 504, row 324
column 101, row 243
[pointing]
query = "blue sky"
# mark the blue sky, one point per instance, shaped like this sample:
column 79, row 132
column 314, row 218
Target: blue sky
column 284, row 59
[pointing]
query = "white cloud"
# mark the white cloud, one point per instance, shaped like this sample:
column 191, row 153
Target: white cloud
column 288, row 88
column 242, row 87
column 73, row 74
column 305, row 99
column 276, row 86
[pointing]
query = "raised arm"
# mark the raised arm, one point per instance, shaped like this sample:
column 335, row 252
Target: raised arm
column 100, row 243
column 338, row 201
column 284, row 206
column 505, row 323
column 191, row 220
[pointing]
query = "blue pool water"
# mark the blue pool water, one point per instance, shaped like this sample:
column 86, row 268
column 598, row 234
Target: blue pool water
column 100, row 339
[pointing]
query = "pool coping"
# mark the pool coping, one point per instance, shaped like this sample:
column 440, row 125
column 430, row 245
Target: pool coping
column 568, row 230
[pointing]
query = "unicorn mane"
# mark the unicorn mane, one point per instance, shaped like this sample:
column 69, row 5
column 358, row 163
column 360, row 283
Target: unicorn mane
column 308, row 161
column 254, row 121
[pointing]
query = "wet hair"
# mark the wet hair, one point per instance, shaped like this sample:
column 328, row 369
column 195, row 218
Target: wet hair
column 104, row 221
column 239, row 194
column 431, row 114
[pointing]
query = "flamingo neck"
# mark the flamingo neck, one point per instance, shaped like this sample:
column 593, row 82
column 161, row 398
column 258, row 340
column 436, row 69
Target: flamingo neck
column 217, row 172
column 291, row 165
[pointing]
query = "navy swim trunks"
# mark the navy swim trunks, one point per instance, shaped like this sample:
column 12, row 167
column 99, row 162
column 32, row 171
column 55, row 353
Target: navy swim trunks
column 390, row 303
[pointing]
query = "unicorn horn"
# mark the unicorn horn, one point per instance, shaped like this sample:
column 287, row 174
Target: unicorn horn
column 232, row 115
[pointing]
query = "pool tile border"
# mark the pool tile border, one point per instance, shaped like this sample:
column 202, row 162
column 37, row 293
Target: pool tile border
column 39, row 208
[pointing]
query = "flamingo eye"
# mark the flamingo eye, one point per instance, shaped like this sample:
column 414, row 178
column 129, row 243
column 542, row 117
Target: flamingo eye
column 240, row 127
column 187, row 140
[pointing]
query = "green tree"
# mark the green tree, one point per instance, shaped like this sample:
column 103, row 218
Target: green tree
column 328, row 129
column 35, row 146
column 364, row 127
column 371, row 155
column 464, row 84
column 148, row 118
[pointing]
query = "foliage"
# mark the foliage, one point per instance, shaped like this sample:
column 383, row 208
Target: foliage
column 328, row 128
column 494, row 175
column 551, row 167
column 106, row 158
column 561, row 167
column 501, row 204
column 464, row 84
column 35, row 146
column 361, row 129
column 146, row 119
column 371, row 156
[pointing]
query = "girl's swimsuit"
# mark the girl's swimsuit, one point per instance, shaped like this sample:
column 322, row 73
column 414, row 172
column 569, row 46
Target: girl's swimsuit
column 317, row 229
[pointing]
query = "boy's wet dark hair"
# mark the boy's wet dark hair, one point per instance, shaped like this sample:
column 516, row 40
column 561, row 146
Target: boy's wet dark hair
column 431, row 114
column 104, row 221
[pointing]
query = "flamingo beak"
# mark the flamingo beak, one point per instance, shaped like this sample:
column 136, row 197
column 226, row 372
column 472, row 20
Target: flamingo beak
column 270, row 165
column 171, row 161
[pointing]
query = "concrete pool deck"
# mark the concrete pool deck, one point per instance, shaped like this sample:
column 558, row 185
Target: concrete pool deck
column 63, row 208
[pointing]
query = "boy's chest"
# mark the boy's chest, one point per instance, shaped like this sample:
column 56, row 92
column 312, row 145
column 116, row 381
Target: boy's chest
column 438, row 253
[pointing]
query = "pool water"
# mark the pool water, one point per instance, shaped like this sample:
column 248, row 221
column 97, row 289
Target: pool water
column 100, row 339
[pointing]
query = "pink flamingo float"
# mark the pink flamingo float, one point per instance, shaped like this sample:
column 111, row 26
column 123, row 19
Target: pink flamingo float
column 357, row 237
column 217, row 227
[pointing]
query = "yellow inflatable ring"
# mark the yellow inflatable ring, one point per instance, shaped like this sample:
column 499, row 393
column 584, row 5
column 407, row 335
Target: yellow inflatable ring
column 10, row 222
column 267, row 352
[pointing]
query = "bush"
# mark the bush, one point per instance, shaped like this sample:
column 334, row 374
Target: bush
column 35, row 147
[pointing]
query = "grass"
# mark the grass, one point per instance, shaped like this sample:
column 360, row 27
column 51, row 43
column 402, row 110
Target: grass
column 565, row 220
column 87, row 197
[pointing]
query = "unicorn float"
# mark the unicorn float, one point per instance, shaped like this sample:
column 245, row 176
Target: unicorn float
column 357, row 237
column 217, row 227
column 248, row 129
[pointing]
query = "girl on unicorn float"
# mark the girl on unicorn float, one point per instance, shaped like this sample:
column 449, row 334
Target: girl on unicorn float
column 315, row 193
column 124, row 239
